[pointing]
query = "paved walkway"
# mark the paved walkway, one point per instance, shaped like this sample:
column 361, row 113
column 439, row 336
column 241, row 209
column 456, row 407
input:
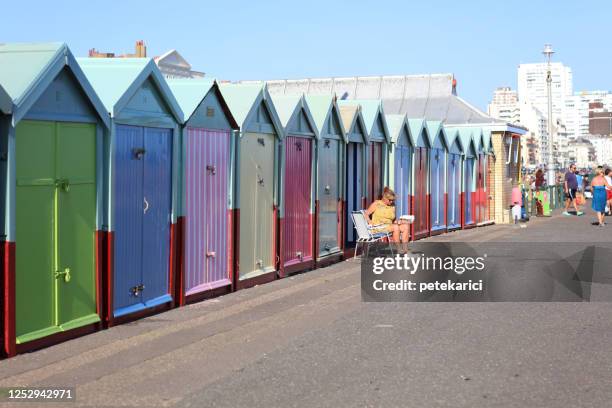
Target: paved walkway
column 308, row 341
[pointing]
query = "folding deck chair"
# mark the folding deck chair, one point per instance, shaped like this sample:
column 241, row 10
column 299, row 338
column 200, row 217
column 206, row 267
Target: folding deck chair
column 365, row 233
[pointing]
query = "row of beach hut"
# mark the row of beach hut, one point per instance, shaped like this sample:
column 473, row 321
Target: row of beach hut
column 125, row 193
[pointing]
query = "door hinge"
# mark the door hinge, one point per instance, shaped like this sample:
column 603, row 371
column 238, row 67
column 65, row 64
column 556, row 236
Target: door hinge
column 65, row 273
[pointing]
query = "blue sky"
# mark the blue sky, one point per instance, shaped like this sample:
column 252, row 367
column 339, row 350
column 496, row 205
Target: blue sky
column 480, row 42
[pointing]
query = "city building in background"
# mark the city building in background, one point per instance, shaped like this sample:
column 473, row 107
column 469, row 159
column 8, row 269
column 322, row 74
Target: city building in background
column 532, row 86
column 172, row 64
column 140, row 51
column 505, row 105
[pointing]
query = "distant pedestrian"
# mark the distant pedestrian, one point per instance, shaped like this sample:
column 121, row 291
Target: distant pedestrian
column 608, row 175
column 599, row 184
column 570, row 186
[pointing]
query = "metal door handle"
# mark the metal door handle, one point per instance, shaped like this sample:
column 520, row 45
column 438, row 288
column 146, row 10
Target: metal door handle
column 211, row 254
column 211, row 169
column 327, row 189
column 65, row 273
column 260, row 180
column 135, row 290
column 146, row 205
column 64, row 184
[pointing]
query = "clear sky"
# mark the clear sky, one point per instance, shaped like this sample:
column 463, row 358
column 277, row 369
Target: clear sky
column 480, row 42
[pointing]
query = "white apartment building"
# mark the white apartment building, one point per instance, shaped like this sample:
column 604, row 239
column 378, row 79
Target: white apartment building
column 535, row 143
column 505, row 105
column 532, row 86
column 602, row 147
column 582, row 154
column 577, row 111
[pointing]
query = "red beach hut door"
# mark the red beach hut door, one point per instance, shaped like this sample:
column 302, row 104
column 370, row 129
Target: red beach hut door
column 298, row 189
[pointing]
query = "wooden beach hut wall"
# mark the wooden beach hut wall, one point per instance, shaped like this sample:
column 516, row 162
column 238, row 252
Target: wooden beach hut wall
column 330, row 175
column 379, row 144
column 205, row 219
column 481, row 170
column 142, row 186
column 421, row 201
column 256, row 190
column 454, row 176
column 437, row 176
column 356, row 165
column 489, row 175
column 298, row 168
column 52, row 132
column 469, row 177
column 400, row 163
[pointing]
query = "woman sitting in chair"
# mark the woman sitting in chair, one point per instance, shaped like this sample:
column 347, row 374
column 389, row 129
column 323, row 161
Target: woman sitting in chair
column 382, row 213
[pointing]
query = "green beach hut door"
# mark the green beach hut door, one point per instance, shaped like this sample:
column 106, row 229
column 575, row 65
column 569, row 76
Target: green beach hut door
column 55, row 226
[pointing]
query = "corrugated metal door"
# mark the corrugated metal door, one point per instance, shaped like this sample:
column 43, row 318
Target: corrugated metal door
column 478, row 201
column 76, row 217
column 256, row 205
column 354, row 185
column 402, row 179
column 55, row 227
column 128, row 211
column 34, row 214
column 142, row 205
column 437, row 174
column 375, row 172
column 206, row 185
column 297, row 241
column 420, row 193
column 157, row 201
column 469, row 191
column 490, row 187
column 454, row 191
column 329, row 196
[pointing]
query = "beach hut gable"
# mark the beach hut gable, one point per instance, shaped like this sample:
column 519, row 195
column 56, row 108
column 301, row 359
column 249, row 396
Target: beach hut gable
column 146, row 100
column 6, row 104
column 28, row 70
column 456, row 146
column 211, row 113
column 301, row 124
column 63, row 99
column 333, row 126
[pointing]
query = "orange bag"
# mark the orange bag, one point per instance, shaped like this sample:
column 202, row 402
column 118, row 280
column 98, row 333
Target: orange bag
column 579, row 198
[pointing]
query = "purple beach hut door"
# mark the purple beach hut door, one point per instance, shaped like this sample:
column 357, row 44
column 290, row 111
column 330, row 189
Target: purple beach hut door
column 206, row 185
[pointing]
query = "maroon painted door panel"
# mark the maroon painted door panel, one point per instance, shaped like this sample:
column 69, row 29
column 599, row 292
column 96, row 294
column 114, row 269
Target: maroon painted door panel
column 420, row 192
column 297, row 241
column 375, row 172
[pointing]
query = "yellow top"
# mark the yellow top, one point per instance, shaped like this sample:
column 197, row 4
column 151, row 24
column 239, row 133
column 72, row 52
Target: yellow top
column 383, row 214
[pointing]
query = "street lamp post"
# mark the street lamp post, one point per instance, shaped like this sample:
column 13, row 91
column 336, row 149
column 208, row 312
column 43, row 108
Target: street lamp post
column 548, row 52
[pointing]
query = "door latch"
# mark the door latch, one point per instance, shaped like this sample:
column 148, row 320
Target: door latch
column 136, row 290
column 326, row 247
column 65, row 273
column 259, row 263
column 138, row 152
column 211, row 169
column 299, row 255
column 64, row 184
column 260, row 180
column 146, row 205
column 261, row 141
column 211, row 254
column 327, row 189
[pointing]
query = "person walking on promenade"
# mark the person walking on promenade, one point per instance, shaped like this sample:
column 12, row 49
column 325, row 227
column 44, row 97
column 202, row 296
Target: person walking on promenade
column 570, row 187
column 608, row 175
column 599, row 184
